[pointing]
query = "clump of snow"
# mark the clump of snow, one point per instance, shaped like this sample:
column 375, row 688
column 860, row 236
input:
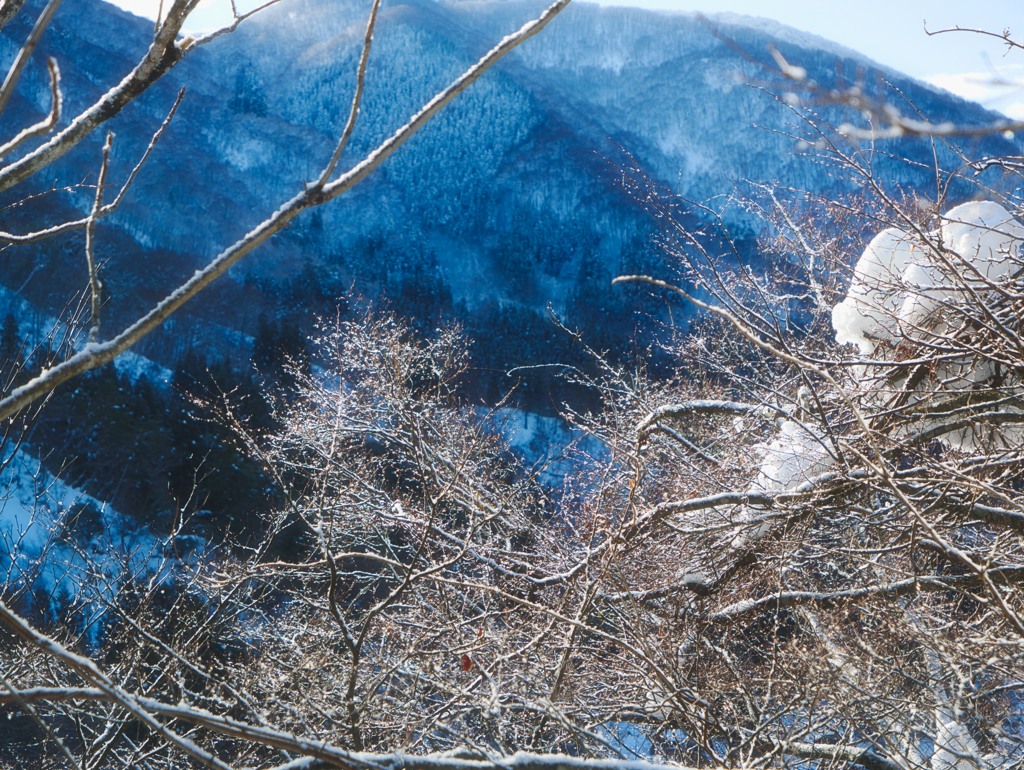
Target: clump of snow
column 908, row 291
column 871, row 306
column 985, row 235
column 902, row 278
column 913, row 296
column 795, row 455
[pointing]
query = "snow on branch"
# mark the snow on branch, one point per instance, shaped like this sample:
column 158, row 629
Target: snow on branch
column 97, row 354
column 910, row 586
column 929, row 313
column 902, row 278
column 320, row 754
column 688, row 408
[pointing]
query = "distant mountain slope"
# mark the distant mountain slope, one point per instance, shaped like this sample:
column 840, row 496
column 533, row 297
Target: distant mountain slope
column 503, row 201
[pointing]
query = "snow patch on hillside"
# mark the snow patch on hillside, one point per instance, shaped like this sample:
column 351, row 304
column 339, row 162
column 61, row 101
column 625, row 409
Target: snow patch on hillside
column 547, row 444
column 65, row 546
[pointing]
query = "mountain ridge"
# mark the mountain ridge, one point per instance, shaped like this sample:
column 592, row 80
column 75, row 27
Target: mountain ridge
column 519, row 157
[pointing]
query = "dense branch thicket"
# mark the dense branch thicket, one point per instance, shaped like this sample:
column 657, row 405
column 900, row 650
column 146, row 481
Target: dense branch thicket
column 803, row 550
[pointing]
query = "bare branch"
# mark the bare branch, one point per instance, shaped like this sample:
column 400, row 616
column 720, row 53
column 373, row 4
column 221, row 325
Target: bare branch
column 906, row 587
column 93, row 356
column 46, row 124
column 25, row 53
column 193, row 42
column 95, row 286
column 112, row 206
column 356, row 98
column 1003, row 36
column 8, row 10
column 91, row 672
column 163, row 54
column 675, row 411
column 898, row 126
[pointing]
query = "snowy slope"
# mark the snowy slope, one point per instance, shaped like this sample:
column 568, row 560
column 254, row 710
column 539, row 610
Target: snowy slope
column 63, row 546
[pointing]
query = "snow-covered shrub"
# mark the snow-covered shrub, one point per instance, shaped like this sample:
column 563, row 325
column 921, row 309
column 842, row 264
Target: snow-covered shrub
column 927, row 311
column 908, row 285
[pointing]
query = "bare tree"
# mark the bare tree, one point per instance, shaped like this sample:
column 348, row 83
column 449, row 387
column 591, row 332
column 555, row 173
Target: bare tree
column 804, row 550
column 860, row 598
column 801, row 554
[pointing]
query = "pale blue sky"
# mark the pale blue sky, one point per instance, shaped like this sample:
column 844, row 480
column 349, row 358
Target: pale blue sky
column 892, row 32
column 889, row 31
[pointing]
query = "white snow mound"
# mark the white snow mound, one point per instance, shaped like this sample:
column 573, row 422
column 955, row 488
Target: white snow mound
column 902, row 278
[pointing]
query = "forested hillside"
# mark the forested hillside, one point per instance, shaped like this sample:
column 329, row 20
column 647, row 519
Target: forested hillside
column 509, row 203
column 506, row 203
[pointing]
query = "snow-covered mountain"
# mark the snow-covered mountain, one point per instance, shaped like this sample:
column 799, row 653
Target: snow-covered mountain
column 503, row 201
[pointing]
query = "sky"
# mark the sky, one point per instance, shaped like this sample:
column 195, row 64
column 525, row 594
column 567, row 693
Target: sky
column 889, row 31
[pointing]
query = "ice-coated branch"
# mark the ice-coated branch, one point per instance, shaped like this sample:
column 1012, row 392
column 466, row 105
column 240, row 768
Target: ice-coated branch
column 112, row 206
column 45, row 125
column 901, row 127
column 95, row 355
column 192, row 42
column 969, row 422
column 25, row 53
column 14, row 696
column 49, row 232
column 87, row 668
column 320, row 754
column 855, row 98
column 332, row 755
